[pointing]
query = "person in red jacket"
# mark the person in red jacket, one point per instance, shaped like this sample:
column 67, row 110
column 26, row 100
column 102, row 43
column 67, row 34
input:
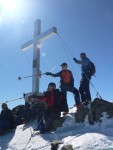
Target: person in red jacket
column 55, row 104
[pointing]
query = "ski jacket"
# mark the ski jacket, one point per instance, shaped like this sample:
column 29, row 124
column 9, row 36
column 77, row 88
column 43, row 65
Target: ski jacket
column 7, row 115
column 84, row 65
column 55, row 100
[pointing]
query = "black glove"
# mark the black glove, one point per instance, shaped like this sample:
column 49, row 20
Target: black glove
column 75, row 59
column 48, row 73
column 24, row 94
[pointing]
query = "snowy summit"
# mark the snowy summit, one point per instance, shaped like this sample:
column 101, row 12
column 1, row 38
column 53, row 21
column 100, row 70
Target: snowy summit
column 81, row 136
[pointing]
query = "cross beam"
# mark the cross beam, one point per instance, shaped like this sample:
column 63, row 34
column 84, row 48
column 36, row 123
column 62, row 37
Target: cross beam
column 35, row 42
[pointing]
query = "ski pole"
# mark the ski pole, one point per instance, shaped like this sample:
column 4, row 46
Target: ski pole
column 11, row 100
column 53, row 68
column 20, row 78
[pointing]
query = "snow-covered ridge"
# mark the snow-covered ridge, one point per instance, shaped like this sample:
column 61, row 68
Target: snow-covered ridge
column 82, row 136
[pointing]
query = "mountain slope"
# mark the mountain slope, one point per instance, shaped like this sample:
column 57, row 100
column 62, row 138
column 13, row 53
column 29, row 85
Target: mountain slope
column 81, row 136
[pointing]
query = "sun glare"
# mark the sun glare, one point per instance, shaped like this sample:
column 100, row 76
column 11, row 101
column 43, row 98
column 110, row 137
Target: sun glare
column 8, row 8
column 8, row 5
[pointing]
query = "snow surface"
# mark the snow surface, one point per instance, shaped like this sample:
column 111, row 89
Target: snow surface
column 82, row 136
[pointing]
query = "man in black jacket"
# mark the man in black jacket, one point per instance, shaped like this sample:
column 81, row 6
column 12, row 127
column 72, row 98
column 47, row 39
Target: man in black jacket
column 7, row 118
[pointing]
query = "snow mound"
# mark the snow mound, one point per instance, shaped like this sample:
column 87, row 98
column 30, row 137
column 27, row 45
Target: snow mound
column 82, row 136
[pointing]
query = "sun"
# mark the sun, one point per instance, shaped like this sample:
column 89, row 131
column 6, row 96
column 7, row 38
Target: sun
column 8, row 6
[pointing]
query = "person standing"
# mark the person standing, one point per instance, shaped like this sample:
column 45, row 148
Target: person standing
column 67, row 82
column 84, row 88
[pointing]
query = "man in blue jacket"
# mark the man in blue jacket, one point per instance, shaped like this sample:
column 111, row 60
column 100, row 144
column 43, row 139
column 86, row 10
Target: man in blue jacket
column 85, row 80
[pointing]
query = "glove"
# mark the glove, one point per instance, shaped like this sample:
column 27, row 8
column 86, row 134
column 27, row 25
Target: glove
column 48, row 73
column 24, row 94
column 75, row 59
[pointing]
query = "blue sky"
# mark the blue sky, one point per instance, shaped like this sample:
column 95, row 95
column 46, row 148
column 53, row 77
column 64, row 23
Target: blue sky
column 84, row 25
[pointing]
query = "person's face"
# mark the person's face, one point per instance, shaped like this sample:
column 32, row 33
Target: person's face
column 4, row 107
column 29, row 99
column 64, row 67
column 50, row 88
column 82, row 56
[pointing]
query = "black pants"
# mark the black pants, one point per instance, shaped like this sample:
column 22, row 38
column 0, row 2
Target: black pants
column 72, row 89
column 49, row 117
column 84, row 88
column 46, row 119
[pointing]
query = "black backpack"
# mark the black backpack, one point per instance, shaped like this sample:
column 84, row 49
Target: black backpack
column 57, row 99
column 60, row 102
column 21, row 112
column 18, row 110
column 92, row 68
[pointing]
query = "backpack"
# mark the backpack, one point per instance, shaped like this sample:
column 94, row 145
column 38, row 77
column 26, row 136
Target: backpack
column 66, row 76
column 92, row 68
column 57, row 99
column 18, row 110
column 21, row 112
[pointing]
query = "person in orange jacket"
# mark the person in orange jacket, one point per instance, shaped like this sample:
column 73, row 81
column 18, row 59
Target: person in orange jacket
column 67, row 83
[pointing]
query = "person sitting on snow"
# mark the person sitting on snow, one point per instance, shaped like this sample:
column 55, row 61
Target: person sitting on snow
column 30, row 107
column 55, row 104
column 7, row 118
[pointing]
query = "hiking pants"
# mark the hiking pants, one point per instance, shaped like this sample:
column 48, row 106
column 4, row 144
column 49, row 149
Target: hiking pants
column 73, row 90
column 4, row 124
column 49, row 117
column 84, row 88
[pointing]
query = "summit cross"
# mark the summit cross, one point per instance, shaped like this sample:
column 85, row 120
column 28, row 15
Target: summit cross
column 35, row 43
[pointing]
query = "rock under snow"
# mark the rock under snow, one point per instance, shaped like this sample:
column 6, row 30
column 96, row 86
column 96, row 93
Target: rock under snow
column 98, row 107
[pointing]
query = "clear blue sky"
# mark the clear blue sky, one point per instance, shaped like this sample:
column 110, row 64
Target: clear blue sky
column 84, row 25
